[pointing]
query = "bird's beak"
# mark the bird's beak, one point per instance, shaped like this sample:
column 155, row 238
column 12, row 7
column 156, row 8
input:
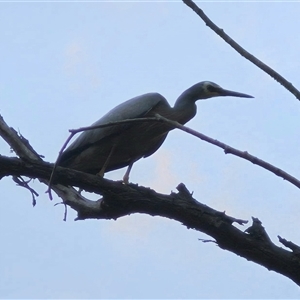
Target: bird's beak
column 223, row 92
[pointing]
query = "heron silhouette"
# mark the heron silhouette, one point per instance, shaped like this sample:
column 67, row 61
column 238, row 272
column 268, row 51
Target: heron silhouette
column 101, row 150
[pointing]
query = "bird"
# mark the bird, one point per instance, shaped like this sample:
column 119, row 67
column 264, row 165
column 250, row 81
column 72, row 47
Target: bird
column 105, row 149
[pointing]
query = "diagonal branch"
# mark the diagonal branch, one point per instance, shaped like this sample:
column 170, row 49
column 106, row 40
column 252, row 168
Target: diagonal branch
column 18, row 143
column 75, row 131
column 25, row 151
column 120, row 200
column 288, row 85
column 230, row 150
column 227, row 149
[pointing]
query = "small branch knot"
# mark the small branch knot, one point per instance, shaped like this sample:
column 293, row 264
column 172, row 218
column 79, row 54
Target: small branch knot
column 257, row 231
column 182, row 189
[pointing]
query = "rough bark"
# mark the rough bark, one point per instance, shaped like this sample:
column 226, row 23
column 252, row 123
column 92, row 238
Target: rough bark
column 119, row 200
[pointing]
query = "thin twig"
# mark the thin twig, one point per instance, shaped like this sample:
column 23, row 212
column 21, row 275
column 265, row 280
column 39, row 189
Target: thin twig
column 66, row 210
column 288, row 85
column 137, row 120
column 56, row 164
column 75, row 131
column 207, row 241
column 158, row 118
column 23, row 183
column 236, row 152
column 27, row 153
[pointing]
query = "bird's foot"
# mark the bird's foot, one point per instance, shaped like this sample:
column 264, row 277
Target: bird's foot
column 126, row 179
column 101, row 173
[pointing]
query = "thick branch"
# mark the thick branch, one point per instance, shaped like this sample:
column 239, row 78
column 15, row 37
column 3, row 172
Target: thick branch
column 120, row 200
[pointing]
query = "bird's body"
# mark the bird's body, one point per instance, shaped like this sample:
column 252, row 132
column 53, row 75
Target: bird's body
column 98, row 143
column 110, row 148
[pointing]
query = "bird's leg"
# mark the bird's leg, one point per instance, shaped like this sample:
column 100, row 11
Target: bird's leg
column 102, row 171
column 126, row 175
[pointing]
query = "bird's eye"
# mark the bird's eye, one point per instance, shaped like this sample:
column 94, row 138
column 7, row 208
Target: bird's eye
column 211, row 88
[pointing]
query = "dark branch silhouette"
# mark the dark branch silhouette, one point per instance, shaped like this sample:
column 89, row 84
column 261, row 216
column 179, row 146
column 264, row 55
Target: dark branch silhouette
column 119, row 200
column 158, row 118
column 220, row 32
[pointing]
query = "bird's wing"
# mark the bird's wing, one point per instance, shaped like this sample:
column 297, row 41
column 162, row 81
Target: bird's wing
column 136, row 107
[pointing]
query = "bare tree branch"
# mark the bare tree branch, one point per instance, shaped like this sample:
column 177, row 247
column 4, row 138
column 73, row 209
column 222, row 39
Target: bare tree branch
column 119, row 200
column 26, row 152
column 295, row 248
column 220, row 32
column 23, row 183
column 158, row 118
column 75, row 131
column 16, row 142
column 230, row 150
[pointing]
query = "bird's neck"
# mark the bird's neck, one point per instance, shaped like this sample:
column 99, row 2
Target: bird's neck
column 185, row 107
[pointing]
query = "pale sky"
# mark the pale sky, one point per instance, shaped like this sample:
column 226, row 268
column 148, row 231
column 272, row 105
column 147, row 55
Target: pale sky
column 64, row 65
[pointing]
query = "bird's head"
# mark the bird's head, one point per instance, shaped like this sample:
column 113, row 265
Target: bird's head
column 202, row 90
column 208, row 89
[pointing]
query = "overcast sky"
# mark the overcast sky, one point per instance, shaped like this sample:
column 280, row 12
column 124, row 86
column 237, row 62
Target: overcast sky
column 64, row 65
